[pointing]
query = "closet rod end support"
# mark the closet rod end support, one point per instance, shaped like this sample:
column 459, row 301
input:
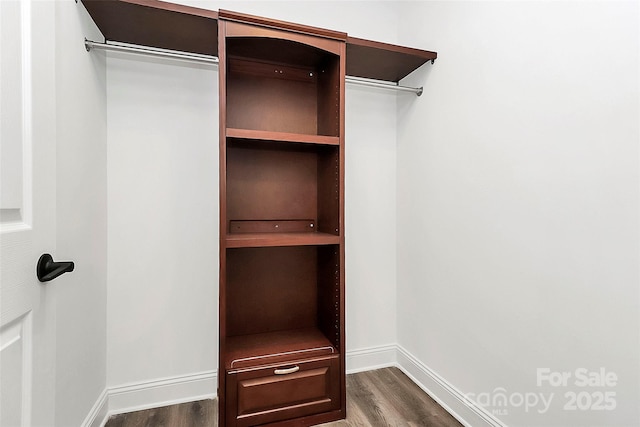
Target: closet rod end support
column 87, row 45
column 419, row 91
column 433, row 61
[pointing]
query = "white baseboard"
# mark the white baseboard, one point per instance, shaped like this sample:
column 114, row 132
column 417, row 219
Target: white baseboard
column 440, row 390
column 151, row 394
column 449, row 397
column 162, row 392
column 367, row 359
column 187, row 388
column 99, row 412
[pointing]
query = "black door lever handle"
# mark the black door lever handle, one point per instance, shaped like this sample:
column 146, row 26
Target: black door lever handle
column 47, row 269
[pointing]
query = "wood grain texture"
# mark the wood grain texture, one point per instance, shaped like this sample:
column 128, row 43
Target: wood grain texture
column 267, row 182
column 289, row 26
column 262, row 397
column 271, row 289
column 263, row 240
column 282, row 136
column 266, row 102
column 247, row 351
column 157, row 24
column 269, row 284
column 193, row 414
column 189, row 29
column 387, row 397
column 383, row 61
column 384, row 397
column 222, row 292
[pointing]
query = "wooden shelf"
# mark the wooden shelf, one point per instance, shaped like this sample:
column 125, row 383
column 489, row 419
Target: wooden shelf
column 189, row 29
column 383, row 61
column 156, row 23
column 258, row 240
column 262, row 349
column 258, row 135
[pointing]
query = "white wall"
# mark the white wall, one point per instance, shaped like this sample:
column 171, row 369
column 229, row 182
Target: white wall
column 518, row 200
column 163, row 204
column 81, row 215
column 163, row 218
column 370, row 218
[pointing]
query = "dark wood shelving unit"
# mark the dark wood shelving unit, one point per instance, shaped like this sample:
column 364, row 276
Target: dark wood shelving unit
column 282, row 215
column 282, row 137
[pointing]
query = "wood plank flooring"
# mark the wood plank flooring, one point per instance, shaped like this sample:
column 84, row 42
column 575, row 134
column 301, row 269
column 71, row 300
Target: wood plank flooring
column 192, row 414
column 384, row 397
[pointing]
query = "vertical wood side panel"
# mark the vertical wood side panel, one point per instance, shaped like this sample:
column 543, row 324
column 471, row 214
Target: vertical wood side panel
column 343, row 347
column 222, row 306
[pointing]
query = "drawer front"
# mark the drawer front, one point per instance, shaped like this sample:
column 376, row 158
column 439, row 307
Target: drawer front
column 265, row 395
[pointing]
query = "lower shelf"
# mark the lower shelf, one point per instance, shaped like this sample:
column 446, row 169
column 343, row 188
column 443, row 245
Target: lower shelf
column 273, row 347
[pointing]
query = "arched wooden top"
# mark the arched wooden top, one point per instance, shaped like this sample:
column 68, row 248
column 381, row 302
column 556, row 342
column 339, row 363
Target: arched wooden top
column 228, row 15
column 236, row 29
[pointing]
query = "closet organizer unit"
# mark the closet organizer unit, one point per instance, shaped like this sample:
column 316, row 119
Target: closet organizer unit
column 282, row 280
column 282, row 251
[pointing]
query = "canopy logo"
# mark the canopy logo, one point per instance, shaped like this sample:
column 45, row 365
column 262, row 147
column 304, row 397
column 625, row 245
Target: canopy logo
column 499, row 401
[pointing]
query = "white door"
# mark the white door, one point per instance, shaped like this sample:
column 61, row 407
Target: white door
column 27, row 211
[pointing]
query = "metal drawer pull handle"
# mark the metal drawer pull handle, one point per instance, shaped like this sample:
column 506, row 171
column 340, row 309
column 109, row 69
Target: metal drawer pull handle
column 286, row 371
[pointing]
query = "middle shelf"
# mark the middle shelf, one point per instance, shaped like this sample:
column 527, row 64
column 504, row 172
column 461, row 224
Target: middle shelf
column 281, row 193
column 256, row 240
column 273, row 136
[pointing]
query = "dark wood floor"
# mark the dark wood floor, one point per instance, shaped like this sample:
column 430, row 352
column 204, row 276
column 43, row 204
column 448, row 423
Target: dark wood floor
column 384, row 397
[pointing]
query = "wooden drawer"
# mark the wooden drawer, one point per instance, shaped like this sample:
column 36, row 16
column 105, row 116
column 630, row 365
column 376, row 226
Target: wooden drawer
column 264, row 395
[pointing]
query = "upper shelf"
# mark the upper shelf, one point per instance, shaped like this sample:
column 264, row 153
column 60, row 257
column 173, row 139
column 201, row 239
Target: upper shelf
column 383, row 61
column 189, row 29
column 156, row 23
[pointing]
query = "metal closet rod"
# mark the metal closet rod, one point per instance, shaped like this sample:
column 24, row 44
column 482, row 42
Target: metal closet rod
column 209, row 59
column 152, row 51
